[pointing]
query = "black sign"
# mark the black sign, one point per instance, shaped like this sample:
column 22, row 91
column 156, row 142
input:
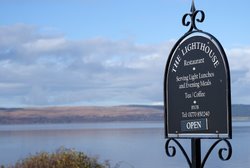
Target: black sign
column 197, row 89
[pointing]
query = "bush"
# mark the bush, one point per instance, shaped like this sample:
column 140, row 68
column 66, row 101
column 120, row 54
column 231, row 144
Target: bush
column 63, row 158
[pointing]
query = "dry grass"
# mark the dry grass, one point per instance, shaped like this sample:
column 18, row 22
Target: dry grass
column 63, row 158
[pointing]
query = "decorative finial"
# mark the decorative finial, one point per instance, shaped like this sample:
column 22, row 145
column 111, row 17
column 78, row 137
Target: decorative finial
column 193, row 7
column 193, row 19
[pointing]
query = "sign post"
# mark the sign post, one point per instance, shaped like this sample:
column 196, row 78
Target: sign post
column 197, row 96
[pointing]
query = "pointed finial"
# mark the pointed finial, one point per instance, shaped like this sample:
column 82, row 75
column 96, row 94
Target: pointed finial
column 193, row 7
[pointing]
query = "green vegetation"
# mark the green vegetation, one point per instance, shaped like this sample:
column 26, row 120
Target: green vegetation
column 63, row 158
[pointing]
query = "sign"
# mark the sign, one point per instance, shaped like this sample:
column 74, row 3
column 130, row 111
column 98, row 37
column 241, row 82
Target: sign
column 197, row 89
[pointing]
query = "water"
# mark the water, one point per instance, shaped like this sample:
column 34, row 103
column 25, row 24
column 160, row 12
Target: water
column 134, row 144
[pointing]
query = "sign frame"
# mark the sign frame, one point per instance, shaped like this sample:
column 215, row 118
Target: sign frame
column 206, row 134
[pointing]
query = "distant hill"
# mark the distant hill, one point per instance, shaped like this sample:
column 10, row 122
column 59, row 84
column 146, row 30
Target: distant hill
column 96, row 114
column 80, row 114
column 241, row 110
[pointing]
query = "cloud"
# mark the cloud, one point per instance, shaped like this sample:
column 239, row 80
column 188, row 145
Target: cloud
column 41, row 69
column 239, row 61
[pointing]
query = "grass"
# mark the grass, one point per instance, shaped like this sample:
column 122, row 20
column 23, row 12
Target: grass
column 62, row 158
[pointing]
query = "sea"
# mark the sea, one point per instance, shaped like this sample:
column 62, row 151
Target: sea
column 127, row 144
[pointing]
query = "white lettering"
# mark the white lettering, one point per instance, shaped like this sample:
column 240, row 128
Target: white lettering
column 199, row 94
column 193, row 125
column 176, row 63
column 199, row 46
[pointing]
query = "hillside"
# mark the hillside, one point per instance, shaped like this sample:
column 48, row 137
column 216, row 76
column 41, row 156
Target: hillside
column 96, row 114
column 80, row 114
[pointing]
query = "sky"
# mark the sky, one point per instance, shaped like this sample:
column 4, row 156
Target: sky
column 108, row 52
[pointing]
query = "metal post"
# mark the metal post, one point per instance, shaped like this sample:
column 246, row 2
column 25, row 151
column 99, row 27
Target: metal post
column 196, row 153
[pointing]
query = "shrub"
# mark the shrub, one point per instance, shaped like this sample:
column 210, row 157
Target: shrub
column 63, row 158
